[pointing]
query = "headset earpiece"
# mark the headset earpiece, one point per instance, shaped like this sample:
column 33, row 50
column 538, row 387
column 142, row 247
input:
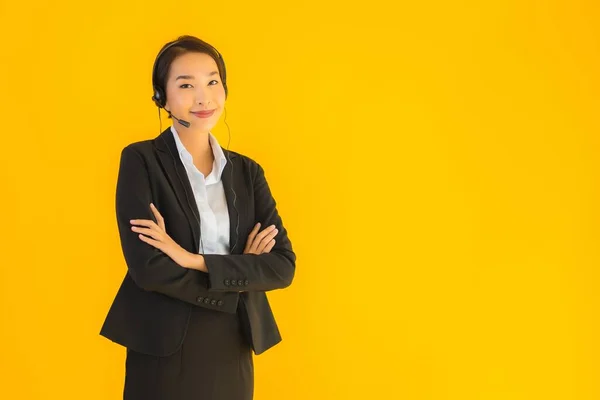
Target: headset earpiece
column 158, row 98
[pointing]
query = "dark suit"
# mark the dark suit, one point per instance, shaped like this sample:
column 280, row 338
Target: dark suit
column 151, row 310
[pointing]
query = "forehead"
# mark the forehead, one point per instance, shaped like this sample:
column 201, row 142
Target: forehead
column 192, row 63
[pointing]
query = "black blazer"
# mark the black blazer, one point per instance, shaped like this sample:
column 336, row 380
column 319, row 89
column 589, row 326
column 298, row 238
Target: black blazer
column 151, row 310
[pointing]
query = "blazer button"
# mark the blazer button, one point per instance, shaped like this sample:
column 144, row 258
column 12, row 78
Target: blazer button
column 206, row 300
column 213, row 302
column 200, row 299
column 226, row 282
column 240, row 282
column 220, row 303
column 246, row 282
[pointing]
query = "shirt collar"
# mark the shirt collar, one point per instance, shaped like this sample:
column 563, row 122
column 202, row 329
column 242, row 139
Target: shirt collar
column 187, row 159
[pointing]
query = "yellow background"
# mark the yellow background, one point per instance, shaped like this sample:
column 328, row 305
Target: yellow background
column 435, row 163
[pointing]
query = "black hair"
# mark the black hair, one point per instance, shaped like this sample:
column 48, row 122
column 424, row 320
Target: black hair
column 182, row 45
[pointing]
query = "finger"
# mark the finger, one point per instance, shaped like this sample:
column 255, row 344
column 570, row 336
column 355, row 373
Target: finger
column 270, row 236
column 265, row 241
column 263, row 238
column 251, row 237
column 159, row 218
column 256, row 243
column 260, row 247
column 155, row 210
column 252, row 248
column 269, row 246
column 151, row 242
column 148, row 232
column 252, row 234
column 151, row 225
column 144, row 222
column 264, row 232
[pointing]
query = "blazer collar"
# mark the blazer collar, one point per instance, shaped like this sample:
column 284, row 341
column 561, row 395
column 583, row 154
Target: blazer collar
column 177, row 177
column 217, row 150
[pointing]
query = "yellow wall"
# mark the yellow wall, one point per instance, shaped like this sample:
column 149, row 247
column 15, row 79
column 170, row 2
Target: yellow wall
column 435, row 163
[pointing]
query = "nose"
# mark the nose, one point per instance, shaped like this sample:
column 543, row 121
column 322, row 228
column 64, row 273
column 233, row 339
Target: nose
column 203, row 96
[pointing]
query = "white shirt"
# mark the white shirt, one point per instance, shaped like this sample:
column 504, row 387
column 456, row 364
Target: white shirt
column 210, row 197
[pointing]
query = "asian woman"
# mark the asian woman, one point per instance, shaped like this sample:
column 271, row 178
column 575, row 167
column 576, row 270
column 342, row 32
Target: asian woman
column 203, row 242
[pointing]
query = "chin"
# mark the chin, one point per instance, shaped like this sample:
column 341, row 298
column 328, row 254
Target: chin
column 204, row 127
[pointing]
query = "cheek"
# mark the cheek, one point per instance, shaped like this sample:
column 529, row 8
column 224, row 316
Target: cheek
column 220, row 95
column 179, row 98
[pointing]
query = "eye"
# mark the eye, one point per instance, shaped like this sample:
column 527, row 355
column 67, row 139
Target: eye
column 182, row 86
column 214, row 80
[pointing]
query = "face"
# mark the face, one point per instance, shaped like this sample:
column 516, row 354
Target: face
column 194, row 85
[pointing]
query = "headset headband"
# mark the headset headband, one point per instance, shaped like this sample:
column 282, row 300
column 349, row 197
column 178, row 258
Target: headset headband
column 158, row 97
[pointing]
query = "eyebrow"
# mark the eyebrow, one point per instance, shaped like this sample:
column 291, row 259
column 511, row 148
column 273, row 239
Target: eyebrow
column 192, row 77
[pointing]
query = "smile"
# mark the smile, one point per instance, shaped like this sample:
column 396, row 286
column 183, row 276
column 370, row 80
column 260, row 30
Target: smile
column 204, row 114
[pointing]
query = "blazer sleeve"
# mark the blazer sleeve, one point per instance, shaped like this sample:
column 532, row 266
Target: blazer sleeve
column 150, row 268
column 256, row 272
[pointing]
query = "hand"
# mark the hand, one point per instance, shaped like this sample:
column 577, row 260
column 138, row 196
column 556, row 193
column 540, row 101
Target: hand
column 262, row 242
column 155, row 235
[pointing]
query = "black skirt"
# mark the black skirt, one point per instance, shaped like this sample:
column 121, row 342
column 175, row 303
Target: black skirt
column 214, row 363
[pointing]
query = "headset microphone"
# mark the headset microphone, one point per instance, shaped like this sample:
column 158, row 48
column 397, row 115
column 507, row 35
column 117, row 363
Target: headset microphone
column 182, row 122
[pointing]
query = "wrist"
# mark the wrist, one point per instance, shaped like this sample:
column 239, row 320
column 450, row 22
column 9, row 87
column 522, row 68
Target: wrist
column 198, row 263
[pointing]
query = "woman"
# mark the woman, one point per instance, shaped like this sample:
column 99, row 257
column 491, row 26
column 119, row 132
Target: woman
column 202, row 240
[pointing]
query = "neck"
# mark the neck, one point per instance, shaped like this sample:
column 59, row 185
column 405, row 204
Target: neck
column 197, row 143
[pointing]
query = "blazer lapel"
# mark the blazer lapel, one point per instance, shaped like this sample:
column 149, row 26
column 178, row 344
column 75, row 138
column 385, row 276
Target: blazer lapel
column 233, row 182
column 177, row 177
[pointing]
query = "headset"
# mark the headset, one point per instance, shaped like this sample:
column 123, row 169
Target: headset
column 159, row 99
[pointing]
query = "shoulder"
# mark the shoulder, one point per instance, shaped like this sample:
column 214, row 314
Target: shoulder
column 142, row 147
column 143, row 150
column 245, row 161
column 138, row 154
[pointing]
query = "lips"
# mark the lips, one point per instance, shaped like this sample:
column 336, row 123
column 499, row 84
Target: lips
column 204, row 114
